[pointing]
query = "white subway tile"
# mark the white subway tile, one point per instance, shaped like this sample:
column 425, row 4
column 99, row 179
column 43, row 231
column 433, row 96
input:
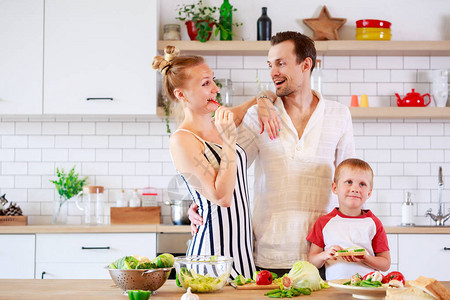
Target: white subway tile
column 330, row 75
column 365, row 142
column 6, row 155
column 404, row 129
column 30, row 208
column 404, row 155
column 363, row 88
column 424, row 76
column 136, row 128
column 429, row 129
column 27, row 181
column 108, row 128
column 121, row 118
column 109, row 182
column 255, row 62
column 390, row 142
column 122, row 168
column 238, row 88
column 55, row 155
column 417, row 142
column 427, row 182
column 381, row 182
column 41, row 141
column 377, row 129
column 338, row 89
column 230, row 62
column 440, row 62
column 379, row 101
column 9, row 141
column 350, row 75
column 377, row 76
column 94, row 141
column 122, row 141
column 65, row 141
column 250, row 89
column 159, row 155
column 418, row 169
column 422, row 88
column 135, row 182
column 160, row 181
column 430, row 155
column 389, row 169
column 377, row 155
column 363, row 62
column 6, row 181
column 389, row 89
column 395, row 196
column 108, row 155
column 40, row 195
column 169, row 169
column 264, row 75
column 149, row 142
column 7, row 128
column 95, row 168
column 243, row 75
column 149, row 168
column 135, row 155
column 82, row 155
column 336, row 62
column 416, row 62
column 404, row 182
column 403, row 76
column 30, row 128
column 28, row 155
column 222, row 73
column 14, row 168
column 344, row 100
column 379, row 209
column 85, row 128
column 41, row 168
column 441, row 142
column 211, row 61
column 158, row 128
column 390, row 62
column 14, row 195
column 53, row 128
column 358, row 128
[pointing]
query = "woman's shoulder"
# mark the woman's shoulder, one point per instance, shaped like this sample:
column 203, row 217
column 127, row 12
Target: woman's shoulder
column 185, row 139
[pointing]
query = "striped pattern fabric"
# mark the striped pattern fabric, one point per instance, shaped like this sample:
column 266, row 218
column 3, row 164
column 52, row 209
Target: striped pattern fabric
column 226, row 230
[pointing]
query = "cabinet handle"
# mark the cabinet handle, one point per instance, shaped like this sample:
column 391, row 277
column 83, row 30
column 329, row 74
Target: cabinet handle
column 446, row 248
column 42, row 275
column 110, row 99
column 95, row 248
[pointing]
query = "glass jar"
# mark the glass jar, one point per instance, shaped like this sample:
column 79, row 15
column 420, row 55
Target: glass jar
column 171, row 32
column 226, row 91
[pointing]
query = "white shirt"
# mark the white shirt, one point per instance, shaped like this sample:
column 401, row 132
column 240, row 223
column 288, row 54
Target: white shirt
column 293, row 178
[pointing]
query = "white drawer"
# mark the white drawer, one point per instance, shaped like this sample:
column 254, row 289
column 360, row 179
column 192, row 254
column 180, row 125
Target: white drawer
column 71, row 271
column 93, row 247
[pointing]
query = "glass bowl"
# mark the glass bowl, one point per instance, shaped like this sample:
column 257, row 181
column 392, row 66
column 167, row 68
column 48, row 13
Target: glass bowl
column 203, row 273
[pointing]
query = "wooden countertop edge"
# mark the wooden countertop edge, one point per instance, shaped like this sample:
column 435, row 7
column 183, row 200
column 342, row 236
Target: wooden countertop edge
column 160, row 228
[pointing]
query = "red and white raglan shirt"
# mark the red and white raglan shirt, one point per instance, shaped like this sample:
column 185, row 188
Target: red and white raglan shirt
column 365, row 231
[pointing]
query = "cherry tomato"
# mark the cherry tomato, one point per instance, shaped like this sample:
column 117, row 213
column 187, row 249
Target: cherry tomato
column 264, row 278
column 394, row 276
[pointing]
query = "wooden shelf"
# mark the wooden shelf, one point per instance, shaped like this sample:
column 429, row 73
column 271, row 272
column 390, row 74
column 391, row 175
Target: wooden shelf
column 386, row 112
column 339, row 48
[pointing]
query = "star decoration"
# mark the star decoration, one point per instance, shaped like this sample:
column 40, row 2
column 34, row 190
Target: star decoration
column 325, row 27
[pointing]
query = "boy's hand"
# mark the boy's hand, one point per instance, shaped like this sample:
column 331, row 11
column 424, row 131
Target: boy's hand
column 329, row 253
column 358, row 258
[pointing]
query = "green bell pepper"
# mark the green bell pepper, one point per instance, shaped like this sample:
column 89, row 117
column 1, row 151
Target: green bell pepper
column 138, row 294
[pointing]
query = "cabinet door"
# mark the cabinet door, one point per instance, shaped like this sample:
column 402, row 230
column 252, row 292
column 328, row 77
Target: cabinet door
column 424, row 254
column 17, row 253
column 21, row 56
column 74, row 256
column 101, row 50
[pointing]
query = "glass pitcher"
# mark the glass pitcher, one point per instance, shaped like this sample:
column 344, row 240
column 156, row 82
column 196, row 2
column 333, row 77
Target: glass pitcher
column 92, row 204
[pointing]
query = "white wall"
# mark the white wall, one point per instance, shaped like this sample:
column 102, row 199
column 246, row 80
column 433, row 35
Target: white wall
column 411, row 19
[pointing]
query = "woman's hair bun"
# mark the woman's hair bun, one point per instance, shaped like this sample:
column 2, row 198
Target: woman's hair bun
column 163, row 63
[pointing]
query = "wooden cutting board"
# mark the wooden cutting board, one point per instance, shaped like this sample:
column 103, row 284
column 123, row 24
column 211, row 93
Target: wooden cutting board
column 254, row 286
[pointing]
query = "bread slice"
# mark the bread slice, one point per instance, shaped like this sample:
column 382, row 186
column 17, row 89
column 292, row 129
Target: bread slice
column 411, row 293
column 351, row 252
column 432, row 287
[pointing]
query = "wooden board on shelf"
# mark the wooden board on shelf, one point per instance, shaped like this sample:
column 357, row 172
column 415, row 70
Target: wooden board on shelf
column 136, row 215
column 13, row 220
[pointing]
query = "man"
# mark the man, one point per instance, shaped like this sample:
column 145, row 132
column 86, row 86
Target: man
column 294, row 170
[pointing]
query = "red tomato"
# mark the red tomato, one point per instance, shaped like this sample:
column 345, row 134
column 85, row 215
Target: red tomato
column 367, row 275
column 394, row 276
column 264, row 278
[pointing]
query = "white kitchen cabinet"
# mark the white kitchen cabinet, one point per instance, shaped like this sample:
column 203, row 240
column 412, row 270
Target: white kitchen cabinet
column 21, row 56
column 76, row 256
column 101, row 50
column 424, row 254
column 393, row 250
column 17, row 256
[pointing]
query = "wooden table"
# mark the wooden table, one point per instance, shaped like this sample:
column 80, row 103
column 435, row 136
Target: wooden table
column 105, row 289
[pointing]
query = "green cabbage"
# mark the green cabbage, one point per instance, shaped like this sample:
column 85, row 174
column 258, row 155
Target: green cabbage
column 165, row 260
column 304, row 275
column 125, row 263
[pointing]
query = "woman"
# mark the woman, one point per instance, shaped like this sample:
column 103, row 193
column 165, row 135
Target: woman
column 214, row 167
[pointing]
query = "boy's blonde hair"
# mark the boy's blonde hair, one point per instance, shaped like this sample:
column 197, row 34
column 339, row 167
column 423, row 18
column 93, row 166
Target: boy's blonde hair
column 353, row 163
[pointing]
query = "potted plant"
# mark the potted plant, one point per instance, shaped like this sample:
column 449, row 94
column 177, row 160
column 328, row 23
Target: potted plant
column 68, row 185
column 200, row 20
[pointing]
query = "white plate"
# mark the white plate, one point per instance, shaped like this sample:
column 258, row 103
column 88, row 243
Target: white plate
column 358, row 291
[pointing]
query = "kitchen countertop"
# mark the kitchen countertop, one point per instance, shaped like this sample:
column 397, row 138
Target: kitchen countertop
column 173, row 229
column 105, row 289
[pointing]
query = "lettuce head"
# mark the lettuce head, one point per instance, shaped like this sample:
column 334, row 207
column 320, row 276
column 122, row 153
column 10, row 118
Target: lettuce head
column 304, row 275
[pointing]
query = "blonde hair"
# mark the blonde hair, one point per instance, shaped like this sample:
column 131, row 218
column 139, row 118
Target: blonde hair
column 353, row 163
column 175, row 69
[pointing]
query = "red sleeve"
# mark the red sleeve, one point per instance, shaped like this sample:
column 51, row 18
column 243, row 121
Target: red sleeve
column 379, row 241
column 316, row 234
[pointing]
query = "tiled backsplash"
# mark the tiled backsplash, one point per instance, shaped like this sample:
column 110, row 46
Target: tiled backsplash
column 127, row 152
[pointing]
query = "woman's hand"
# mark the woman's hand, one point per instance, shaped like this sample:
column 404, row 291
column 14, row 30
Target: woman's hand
column 194, row 217
column 224, row 122
column 267, row 115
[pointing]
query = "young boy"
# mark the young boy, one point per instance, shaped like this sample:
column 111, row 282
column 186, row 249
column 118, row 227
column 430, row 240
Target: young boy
column 350, row 226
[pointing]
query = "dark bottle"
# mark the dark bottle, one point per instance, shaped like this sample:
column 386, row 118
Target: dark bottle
column 264, row 25
column 226, row 19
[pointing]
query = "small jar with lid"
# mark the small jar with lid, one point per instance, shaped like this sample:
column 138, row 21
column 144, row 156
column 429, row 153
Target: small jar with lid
column 171, row 32
column 407, row 211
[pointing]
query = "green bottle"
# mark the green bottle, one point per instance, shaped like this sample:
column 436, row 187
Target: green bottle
column 226, row 19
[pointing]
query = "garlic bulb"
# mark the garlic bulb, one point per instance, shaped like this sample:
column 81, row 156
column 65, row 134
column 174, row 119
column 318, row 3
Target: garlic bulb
column 189, row 296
